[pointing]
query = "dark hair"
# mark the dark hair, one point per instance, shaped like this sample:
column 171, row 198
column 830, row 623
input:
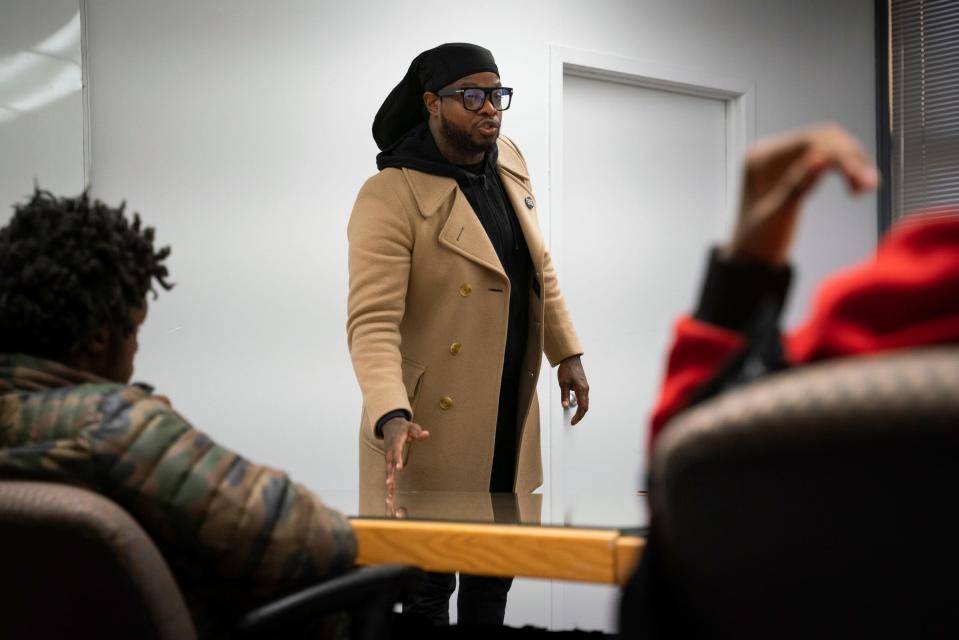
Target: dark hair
column 69, row 266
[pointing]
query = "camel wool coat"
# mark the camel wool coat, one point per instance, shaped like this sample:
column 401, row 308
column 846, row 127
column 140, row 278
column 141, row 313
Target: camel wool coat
column 427, row 318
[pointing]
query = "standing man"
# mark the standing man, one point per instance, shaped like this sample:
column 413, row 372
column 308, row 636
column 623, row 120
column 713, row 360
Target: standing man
column 453, row 300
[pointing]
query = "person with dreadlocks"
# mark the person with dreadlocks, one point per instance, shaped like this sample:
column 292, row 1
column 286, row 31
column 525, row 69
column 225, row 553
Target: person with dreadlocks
column 74, row 279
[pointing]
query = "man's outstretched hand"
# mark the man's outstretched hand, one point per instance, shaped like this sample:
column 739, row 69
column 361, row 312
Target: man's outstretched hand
column 398, row 435
column 780, row 171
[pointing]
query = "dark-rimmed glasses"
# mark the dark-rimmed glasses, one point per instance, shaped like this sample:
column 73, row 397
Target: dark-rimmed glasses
column 475, row 97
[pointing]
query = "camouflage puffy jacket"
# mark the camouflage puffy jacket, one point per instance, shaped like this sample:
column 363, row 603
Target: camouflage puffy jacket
column 242, row 529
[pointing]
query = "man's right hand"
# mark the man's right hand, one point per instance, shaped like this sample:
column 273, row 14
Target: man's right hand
column 398, row 434
column 780, row 172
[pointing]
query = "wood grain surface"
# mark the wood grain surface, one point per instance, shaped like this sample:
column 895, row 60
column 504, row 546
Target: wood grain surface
column 586, row 555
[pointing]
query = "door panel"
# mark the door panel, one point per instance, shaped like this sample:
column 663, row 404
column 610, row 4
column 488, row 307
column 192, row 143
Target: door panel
column 644, row 192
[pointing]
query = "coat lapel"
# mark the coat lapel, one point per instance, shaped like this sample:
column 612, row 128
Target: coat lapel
column 464, row 234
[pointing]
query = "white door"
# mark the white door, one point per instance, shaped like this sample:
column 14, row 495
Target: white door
column 644, row 195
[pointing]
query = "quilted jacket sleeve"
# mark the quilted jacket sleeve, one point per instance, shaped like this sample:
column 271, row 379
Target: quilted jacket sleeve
column 246, row 522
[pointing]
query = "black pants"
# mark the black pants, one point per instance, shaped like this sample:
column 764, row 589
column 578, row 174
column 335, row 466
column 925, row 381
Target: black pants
column 481, row 600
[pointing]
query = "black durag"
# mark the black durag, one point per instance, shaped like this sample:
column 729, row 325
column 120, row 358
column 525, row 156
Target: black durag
column 430, row 71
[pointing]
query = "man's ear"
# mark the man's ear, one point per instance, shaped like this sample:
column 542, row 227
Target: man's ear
column 99, row 341
column 90, row 353
column 432, row 103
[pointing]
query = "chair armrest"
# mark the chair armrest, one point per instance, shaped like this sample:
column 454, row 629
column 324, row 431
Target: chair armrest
column 363, row 588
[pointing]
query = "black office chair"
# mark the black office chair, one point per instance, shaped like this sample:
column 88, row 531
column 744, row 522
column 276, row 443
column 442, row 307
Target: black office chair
column 75, row 565
column 818, row 502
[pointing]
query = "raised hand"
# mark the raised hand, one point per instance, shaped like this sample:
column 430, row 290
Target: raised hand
column 780, row 171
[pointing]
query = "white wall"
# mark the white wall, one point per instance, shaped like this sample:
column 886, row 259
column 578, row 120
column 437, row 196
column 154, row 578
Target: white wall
column 242, row 131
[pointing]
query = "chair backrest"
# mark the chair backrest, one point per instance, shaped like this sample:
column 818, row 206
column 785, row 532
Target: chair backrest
column 818, row 501
column 75, row 565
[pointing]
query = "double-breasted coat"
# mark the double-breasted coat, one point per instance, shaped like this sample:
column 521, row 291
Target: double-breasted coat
column 427, row 320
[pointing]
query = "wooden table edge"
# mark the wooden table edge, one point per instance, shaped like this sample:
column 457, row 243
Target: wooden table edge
column 602, row 556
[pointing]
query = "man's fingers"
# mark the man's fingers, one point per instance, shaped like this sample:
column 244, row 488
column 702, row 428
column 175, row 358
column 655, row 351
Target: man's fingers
column 390, row 476
column 394, row 454
column 805, row 173
column 564, row 394
column 848, row 156
column 417, row 432
column 580, row 412
column 582, row 403
column 399, row 434
column 861, row 174
column 394, row 463
column 867, row 179
column 390, row 504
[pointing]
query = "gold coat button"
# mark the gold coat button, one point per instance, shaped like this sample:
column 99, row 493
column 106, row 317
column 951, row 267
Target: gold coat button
column 466, row 289
column 455, row 348
column 446, row 402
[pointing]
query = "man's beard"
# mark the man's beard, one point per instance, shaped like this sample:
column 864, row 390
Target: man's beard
column 461, row 140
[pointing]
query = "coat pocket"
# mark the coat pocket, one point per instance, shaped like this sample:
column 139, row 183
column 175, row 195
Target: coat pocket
column 413, row 380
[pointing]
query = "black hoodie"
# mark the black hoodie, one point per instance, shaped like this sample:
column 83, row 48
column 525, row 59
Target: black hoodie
column 483, row 190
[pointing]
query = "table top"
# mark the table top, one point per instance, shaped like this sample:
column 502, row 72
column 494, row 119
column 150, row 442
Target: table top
column 597, row 538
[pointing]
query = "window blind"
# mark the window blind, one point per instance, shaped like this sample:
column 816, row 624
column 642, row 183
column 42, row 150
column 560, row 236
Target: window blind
column 924, row 104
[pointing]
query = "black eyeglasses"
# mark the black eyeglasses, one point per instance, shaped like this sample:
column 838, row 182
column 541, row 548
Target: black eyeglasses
column 475, row 97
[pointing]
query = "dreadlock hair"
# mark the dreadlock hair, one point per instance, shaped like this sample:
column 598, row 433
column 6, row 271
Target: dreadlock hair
column 69, row 266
